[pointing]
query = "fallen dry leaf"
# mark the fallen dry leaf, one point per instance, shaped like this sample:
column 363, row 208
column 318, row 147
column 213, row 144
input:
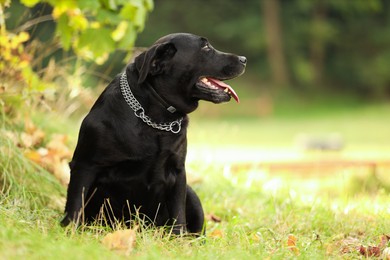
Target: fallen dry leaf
column 362, row 250
column 352, row 245
column 32, row 136
column 385, row 239
column 30, row 140
column 217, row 233
column 122, row 240
column 376, row 251
column 214, row 218
column 33, row 156
column 292, row 244
column 57, row 146
column 54, row 157
column 29, row 126
column 348, row 245
column 370, row 251
column 373, row 251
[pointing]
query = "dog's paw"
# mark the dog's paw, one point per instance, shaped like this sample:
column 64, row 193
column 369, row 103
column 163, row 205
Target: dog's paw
column 65, row 221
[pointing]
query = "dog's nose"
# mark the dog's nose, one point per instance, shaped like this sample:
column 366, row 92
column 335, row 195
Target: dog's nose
column 242, row 59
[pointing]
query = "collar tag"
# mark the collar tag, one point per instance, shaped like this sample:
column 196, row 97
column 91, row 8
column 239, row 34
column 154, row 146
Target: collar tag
column 171, row 109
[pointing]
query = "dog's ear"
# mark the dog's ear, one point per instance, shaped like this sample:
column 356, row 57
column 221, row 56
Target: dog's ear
column 153, row 60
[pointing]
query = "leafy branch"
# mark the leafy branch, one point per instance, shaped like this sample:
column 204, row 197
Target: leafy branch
column 93, row 29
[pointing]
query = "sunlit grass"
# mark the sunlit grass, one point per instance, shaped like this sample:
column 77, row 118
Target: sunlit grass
column 319, row 211
column 258, row 206
column 361, row 128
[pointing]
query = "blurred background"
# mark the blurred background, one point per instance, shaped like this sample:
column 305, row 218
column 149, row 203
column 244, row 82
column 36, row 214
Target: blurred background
column 302, row 45
column 296, row 49
column 316, row 89
column 305, row 154
column 310, row 50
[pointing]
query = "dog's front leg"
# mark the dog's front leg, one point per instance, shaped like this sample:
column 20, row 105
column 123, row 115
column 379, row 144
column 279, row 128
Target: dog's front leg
column 177, row 204
column 81, row 181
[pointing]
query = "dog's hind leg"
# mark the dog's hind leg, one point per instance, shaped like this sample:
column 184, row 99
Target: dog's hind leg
column 81, row 181
column 194, row 213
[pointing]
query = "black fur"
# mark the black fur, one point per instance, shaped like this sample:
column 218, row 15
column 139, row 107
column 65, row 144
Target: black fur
column 130, row 168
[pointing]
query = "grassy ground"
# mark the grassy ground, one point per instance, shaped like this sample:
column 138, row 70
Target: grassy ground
column 251, row 209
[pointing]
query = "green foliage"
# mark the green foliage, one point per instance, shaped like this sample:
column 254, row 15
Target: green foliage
column 15, row 69
column 348, row 38
column 93, row 29
column 41, row 30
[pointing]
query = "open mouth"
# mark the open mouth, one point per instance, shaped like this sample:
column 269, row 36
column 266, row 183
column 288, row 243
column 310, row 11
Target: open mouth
column 218, row 86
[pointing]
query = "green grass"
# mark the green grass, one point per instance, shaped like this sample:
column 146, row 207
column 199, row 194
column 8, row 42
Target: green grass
column 258, row 208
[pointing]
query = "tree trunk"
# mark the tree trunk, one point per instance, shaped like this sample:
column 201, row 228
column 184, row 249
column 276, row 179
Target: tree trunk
column 317, row 44
column 273, row 29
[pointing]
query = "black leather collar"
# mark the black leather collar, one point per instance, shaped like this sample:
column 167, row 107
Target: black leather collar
column 162, row 101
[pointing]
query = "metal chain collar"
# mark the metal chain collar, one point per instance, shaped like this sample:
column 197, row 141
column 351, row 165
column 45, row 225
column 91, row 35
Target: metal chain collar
column 174, row 126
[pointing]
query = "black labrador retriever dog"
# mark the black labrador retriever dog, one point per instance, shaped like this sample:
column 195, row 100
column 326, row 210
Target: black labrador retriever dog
column 131, row 151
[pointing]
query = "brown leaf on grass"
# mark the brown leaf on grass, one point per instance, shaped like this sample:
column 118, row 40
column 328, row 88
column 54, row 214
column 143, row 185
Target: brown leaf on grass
column 33, row 155
column 28, row 140
column 214, row 218
column 217, row 233
column 374, row 251
column 29, row 126
column 363, row 250
column 57, row 145
column 348, row 245
column 292, row 244
column 370, row 251
column 384, row 241
column 353, row 245
column 122, row 240
column 377, row 250
column 54, row 157
column 32, row 136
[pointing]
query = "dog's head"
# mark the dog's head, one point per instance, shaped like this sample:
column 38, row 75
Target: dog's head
column 185, row 68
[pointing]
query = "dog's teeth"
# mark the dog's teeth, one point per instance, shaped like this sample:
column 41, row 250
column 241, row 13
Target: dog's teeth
column 210, row 84
column 226, row 90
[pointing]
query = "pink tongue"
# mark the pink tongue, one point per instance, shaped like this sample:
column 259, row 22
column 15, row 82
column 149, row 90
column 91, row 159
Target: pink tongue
column 223, row 85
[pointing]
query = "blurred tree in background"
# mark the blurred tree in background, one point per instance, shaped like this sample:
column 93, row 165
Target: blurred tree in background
column 341, row 45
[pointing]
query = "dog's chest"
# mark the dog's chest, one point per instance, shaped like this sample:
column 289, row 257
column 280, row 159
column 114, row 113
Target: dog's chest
column 166, row 159
column 152, row 162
